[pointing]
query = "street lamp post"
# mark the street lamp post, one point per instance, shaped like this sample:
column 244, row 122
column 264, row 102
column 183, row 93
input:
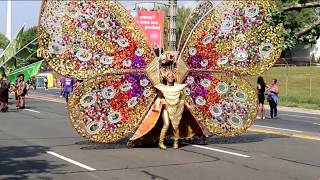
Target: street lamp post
column 8, row 30
column 172, row 25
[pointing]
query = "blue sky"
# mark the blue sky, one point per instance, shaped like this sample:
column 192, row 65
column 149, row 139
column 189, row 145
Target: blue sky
column 23, row 12
column 27, row 12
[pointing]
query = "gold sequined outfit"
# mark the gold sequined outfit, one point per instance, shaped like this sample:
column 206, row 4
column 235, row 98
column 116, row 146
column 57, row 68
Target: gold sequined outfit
column 174, row 106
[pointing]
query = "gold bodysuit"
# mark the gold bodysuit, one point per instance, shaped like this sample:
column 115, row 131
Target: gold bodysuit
column 174, row 106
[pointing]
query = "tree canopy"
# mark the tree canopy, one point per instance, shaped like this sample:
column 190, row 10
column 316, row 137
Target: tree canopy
column 301, row 20
column 3, row 41
column 29, row 56
column 20, row 51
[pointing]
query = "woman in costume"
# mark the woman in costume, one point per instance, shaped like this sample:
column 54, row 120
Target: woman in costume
column 21, row 91
column 173, row 103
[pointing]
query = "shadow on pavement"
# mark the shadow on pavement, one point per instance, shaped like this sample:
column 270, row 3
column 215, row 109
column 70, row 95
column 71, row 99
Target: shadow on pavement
column 16, row 162
column 88, row 145
column 244, row 138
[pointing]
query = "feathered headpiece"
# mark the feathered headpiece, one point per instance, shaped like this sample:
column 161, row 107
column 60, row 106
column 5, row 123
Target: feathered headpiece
column 167, row 64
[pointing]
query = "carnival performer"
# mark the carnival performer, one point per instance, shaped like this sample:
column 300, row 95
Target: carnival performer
column 21, row 92
column 172, row 101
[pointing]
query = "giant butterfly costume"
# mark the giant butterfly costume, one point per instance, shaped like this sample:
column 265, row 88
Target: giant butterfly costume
column 100, row 43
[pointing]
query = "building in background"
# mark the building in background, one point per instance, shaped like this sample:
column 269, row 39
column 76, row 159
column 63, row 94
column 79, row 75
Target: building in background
column 302, row 55
column 315, row 53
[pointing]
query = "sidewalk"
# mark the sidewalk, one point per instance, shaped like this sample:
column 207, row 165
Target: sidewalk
column 295, row 109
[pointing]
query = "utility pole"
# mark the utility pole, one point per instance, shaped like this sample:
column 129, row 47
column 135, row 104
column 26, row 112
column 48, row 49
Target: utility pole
column 9, row 19
column 172, row 39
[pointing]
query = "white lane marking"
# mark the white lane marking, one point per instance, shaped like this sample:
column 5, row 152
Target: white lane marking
column 71, row 161
column 316, row 124
column 222, row 151
column 278, row 128
column 309, row 117
column 32, row 110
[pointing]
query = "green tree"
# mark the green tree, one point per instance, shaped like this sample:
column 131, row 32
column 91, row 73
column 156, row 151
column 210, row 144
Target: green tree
column 300, row 18
column 28, row 55
column 7, row 62
column 301, row 22
column 182, row 15
column 21, row 51
column 29, row 35
column 3, row 41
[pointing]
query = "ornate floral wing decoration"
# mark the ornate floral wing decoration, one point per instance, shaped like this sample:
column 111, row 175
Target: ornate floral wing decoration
column 233, row 39
column 83, row 39
column 99, row 42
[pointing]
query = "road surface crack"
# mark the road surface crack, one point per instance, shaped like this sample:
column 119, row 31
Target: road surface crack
column 153, row 176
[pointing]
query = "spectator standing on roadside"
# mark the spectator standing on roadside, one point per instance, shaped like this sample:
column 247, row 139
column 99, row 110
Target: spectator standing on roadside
column 261, row 88
column 34, row 83
column 45, row 81
column 273, row 98
column 68, row 84
column 4, row 93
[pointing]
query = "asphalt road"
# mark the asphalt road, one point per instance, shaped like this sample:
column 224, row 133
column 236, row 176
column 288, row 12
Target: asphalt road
column 39, row 143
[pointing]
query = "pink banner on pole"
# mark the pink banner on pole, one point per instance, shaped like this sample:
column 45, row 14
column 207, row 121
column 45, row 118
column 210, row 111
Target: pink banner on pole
column 152, row 24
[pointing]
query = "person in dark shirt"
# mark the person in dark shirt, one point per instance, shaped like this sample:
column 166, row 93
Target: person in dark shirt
column 4, row 93
column 67, row 84
column 45, row 81
column 261, row 88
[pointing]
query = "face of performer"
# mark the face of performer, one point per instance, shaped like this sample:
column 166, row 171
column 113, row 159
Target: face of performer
column 170, row 78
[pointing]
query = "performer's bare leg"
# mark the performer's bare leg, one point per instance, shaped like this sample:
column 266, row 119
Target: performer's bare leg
column 22, row 102
column 18, row 102
column 166, row 121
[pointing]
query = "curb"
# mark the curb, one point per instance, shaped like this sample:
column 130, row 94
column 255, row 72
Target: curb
column 296, row 110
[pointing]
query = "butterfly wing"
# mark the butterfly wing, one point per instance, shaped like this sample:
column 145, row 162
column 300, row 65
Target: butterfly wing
column 233, row 39
column 223, row 103
column 83, row 39
column 235, row 36
column 110, row 107
column 99, row 42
